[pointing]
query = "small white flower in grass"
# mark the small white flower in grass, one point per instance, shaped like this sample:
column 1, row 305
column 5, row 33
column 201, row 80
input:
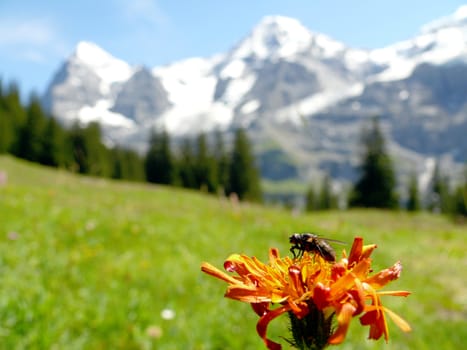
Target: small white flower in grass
column 168, row 314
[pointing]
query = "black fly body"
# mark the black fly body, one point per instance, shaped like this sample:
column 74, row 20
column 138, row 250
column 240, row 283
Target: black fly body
column 310, row 242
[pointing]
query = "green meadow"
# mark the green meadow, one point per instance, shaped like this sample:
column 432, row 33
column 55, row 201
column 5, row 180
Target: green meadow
column 87, row 263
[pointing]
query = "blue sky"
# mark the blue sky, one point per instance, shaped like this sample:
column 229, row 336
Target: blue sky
column 36, row 36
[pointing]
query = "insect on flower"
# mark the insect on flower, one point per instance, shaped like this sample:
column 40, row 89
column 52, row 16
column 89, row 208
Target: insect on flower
column 310, row 242
column 321, row 296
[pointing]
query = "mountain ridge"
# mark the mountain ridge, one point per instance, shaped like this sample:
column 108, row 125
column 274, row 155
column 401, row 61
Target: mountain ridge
column 299, row 93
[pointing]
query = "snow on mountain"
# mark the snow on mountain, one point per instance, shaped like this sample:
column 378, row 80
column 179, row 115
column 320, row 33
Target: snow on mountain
column 274, row 37
column 458, row 18
column 279, row 37
column 439, row 42
column 85, row 85
column 189, row 80
column 191, row 88
column 108, row 68
column 101, row 113
column 301, row 91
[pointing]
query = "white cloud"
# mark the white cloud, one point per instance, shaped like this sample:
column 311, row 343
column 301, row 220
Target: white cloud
column 31, row 32
column 29, row 39
column 146, row 11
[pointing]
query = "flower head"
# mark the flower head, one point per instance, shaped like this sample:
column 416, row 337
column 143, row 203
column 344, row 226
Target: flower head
column 314, row 291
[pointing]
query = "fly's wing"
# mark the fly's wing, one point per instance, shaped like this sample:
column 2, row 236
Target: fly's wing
column 334, row 241
column 328, row 239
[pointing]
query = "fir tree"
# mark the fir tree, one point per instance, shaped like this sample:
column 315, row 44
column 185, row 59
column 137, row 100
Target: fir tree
column 439, row 196
column 134, row 166
column 186, row 165
column 221, row 160
column 7, row 125
column 52, row 152
column 460, row 201
column 98, row 154
column 323, row 199
column 413, row 203
column 327, row 200
column 127, row 165
column 205, row 166
column 14, row 118
column 159, row 164
column 375, row 186
column 78, row 150
column 243, row 174
column 311, row 199
column 29, row 142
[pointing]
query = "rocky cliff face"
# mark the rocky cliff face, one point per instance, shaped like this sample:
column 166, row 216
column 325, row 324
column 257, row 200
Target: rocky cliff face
column 303, row 97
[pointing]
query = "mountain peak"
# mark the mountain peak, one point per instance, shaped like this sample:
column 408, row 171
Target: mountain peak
column 278, row 37
column 461, row 12
column 281, row 24
column 107, row 67
column 89, row 52
column 457, row 19
column 275, row 37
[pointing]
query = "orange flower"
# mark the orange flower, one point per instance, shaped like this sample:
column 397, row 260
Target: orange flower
column 313, row 291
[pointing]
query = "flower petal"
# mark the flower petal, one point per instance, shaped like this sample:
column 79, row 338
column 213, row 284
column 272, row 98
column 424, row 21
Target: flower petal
column 321, row 295
column 396, row 293
column 377, row 322
column 344, row 317
column 385, row 276
column 260, row 308
column 359, row 251
column 295, row 275
column 399, row 321
column 247, row 294
column 356, row 250
column 262, row 326
column 215, row 272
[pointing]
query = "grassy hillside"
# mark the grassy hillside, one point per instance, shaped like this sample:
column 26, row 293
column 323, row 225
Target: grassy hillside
column 92, row 264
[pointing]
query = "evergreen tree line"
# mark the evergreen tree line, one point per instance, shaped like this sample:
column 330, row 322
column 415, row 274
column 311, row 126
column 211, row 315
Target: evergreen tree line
column 203, row 163
column 376, row 185
column 28, row 132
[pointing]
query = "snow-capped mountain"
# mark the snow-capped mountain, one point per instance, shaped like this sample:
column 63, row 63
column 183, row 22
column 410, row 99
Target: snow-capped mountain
column 85, row 86
column 303, row 96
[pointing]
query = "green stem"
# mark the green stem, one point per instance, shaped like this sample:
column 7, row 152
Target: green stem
column 312, row 331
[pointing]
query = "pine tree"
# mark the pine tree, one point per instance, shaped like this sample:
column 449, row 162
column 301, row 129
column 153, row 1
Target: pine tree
column 221, row 160
column 14, row 117
column 98, row 155
column 29, row 142
column 327, row 200
column 77, row 150
column 439, row 200
column 323, row 199
column 186, row 165
column 460, row 201
column 311, row 199
column 413, row 203
column 375, row 187
column 134, row 166
column 53, row 141
column 205, row 166
column 7, row 126
column 243, row 174
column 159, row 164
column 127, row 165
